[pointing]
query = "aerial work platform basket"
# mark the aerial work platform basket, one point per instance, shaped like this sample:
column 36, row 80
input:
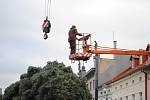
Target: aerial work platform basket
column 85, row 49
column 81, row 48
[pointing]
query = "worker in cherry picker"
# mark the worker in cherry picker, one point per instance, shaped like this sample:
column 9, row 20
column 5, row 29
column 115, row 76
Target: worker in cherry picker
column 72, row 39
column 46, row 27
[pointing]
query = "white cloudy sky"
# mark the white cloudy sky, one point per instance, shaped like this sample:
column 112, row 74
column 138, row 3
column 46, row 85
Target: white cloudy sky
column 21, row 42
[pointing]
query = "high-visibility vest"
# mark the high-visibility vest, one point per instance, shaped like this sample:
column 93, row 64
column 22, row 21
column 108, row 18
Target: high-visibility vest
column 46, row 24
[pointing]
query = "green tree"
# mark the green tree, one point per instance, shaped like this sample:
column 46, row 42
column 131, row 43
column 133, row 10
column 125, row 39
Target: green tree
column 52, row 82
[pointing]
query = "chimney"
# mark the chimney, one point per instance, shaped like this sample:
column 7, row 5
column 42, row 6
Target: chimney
column 115, row 47
column 115, row 44
column 135, row 61
column 143, row 58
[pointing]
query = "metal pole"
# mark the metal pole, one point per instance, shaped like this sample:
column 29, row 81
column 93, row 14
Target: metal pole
column 96, row 75
column 97, row 58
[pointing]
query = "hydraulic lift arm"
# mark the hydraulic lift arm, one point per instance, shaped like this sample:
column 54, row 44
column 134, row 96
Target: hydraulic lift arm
column 85, row 49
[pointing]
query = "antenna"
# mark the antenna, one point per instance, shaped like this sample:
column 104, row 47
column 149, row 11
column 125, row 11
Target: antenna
column 114, row 41
column 113, row 36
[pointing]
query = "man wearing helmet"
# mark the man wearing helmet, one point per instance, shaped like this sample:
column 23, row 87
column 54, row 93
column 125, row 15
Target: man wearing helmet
column 72, row 38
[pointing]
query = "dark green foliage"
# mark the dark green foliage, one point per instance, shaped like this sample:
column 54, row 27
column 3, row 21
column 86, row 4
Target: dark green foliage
column 11, row 91
column 33, row 70
column 0, row 97
column 52, row 82
column 25, row 84
column 23, row 76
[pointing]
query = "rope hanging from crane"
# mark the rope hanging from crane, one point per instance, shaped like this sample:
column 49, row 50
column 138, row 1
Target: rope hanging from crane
column 46, row 24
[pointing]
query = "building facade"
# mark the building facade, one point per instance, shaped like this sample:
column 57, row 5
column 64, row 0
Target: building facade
column 131, row 84
column 109, row 68
column 129, row 88
column 105, row 92
column 90, row 76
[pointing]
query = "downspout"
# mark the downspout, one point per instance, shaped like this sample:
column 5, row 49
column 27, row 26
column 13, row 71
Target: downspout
column 145, row 84
column 96, row 57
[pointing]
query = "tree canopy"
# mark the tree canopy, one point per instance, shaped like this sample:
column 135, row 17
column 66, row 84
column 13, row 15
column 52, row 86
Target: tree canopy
column 52, row 82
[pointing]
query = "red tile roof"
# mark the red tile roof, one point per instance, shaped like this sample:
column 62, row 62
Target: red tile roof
column 127, row 72
column 130, row 70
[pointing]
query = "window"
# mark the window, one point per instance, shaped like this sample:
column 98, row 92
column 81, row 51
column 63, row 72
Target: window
column 126, row 97
column 90, row 85
column 132, row 81
column 104, row 92
column 101, row 93
column 140, row 96
column 93, row 84
column 115, row 88
column 126, row 84
column 133, row 96
column 87, row 85
column 121, row 98
column 140, row 78
column 120, row 86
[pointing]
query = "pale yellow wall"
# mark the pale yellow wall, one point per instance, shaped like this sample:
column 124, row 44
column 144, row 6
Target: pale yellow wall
column 132, row 88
